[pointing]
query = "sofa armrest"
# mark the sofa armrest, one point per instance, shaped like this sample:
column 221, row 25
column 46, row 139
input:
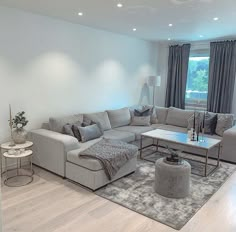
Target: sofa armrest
column 50, row 149
column 229, row 145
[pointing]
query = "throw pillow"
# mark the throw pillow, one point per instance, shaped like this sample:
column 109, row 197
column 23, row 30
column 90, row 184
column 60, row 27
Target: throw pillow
column 89, row 132
column 140, row 121
column 75, row 129
column 210, row 123
column 198, row 120
column 153, row 113
column 224, row 122
column 144, row 112
column 67, row 129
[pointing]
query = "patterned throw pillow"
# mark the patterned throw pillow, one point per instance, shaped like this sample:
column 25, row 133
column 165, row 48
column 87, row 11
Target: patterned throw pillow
column 76, row 130
column 144, row 112
column 210, row 123
column 224, row 122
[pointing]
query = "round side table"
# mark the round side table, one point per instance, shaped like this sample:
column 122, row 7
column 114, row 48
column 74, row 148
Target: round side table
column 19, row 154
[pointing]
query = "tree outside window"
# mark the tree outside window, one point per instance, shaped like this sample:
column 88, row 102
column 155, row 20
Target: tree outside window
column 197, row 83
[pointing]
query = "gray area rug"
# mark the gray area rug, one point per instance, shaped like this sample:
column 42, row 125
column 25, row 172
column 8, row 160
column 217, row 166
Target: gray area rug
column 136, row 192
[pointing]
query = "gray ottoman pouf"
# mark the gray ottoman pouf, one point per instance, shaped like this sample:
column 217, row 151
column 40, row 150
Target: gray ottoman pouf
column 172, row 180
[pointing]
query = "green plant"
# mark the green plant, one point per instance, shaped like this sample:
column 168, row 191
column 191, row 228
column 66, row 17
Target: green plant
column 19, row 121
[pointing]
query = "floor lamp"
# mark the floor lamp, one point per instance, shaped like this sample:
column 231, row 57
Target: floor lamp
column 154, row 81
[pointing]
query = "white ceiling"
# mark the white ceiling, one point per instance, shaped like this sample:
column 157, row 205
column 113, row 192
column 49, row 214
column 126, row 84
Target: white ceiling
column 190, row 18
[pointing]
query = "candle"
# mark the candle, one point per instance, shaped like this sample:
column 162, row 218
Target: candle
column 203, row 124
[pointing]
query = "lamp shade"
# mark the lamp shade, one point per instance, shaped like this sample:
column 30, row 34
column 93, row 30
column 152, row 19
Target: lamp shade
column 154, row 80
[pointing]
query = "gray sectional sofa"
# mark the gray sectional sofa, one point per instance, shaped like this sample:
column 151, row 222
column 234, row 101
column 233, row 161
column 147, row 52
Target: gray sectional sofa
column 59, row 153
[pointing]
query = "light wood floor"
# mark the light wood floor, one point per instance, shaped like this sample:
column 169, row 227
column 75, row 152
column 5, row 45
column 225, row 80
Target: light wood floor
column 53, row 204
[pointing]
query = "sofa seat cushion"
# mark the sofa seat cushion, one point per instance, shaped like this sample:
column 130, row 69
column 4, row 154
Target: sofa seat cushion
column 119, row 135
column 137, row 130
column 91, row 164
column 120, row 117
column 169, row 128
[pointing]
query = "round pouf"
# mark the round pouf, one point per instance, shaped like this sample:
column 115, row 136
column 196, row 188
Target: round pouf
column 172, row 181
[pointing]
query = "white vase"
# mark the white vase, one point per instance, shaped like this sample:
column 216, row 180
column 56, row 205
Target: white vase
column 19, row 136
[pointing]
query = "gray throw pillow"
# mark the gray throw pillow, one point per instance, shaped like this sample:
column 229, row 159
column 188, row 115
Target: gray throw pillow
column 144, row 112
column 89, row 132
column 224, row 122
column 75, row 129
column 67, row 129
column 153, row 113
column 210, row 123
column 141, row 121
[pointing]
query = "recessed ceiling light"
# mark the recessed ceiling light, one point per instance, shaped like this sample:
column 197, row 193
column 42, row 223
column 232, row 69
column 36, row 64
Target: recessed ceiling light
column 200, row 36
column 170, row 24
column 80, row 13
column 119, row 5
column 134, row 29
column 216, row 18
column 169, row 38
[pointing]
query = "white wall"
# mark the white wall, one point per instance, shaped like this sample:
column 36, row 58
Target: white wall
column 50, row 67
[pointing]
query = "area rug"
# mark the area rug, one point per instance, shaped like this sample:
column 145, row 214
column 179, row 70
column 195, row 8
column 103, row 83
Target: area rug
column 136, row 192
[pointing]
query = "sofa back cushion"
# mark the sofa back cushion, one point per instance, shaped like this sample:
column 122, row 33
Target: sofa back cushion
column 224, row 122
column 99, row 117
column 178, row 117
column 161, row 114
column 56, row 123
column 120, row 117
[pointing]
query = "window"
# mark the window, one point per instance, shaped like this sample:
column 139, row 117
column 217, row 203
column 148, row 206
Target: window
column 197, row 83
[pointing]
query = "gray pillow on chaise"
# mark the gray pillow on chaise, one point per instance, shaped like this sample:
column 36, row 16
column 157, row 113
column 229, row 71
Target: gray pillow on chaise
column 90, row 132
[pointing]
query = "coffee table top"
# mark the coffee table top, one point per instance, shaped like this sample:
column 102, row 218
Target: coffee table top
column 181, row 138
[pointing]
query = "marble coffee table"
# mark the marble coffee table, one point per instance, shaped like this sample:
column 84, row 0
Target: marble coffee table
column 182, row 138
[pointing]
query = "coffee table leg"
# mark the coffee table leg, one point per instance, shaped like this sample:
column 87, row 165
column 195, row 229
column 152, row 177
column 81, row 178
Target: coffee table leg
column 218, row 158
column 157, row 145
column 206, row 163
column 141, row 146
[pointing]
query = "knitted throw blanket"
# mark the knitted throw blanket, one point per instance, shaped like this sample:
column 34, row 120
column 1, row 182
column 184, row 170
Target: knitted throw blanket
column 112, row 154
